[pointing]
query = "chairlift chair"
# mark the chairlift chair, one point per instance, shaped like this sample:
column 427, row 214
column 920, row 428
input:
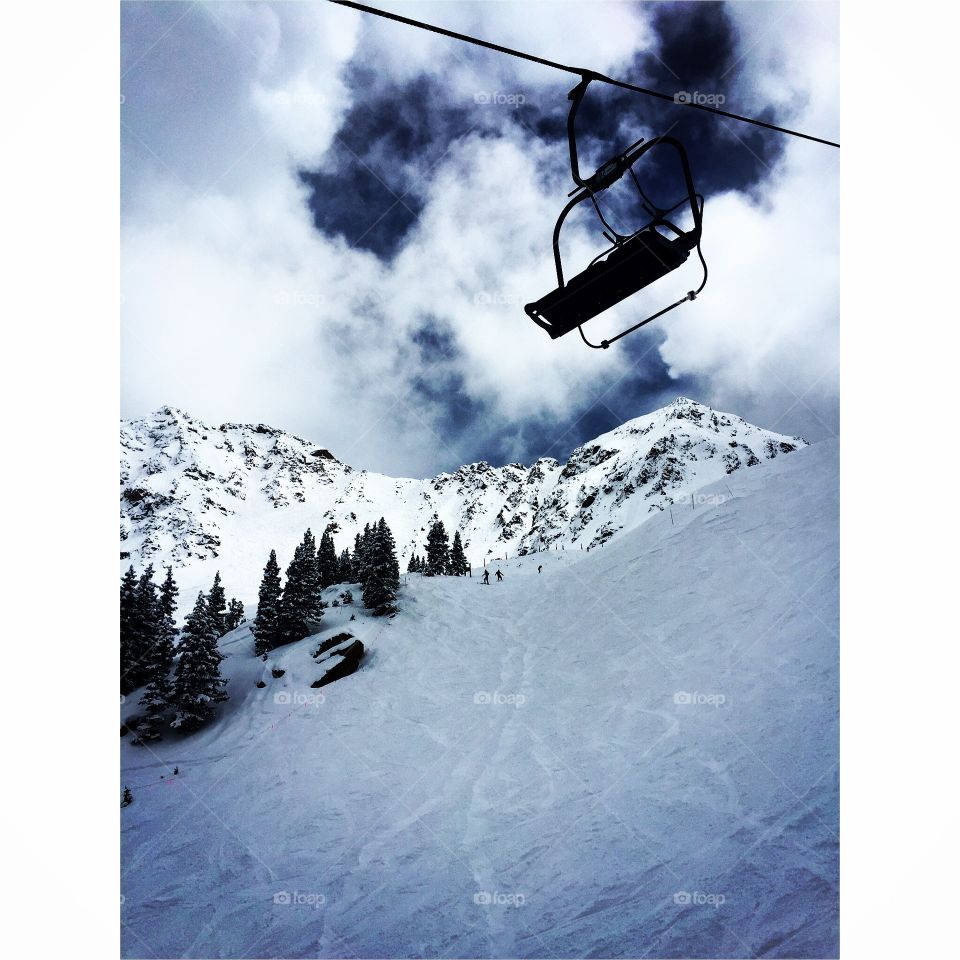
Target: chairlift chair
column 632, row 261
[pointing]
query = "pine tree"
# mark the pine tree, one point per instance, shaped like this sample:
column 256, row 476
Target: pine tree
column 327, row 562
column 412, row 565
column 311, row 580
column 234, row 616
column 438, row 552
column 158, row 696
column 147, row 623
column 300, row 604
column 383, row 571
column 127, row 797
column 458, row 560
column 357, row 573
column 198, row 685
column 169, row 591
column 266, row 625
column 130, row 651
column 362, row 554
column 345, row 567
column 217, row 606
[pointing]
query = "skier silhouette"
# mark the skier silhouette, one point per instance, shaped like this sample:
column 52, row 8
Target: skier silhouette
column 499, row 575
column 486, row 577
column 540, row 568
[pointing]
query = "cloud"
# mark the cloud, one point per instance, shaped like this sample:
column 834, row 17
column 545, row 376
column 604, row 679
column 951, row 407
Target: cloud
column 387, row 322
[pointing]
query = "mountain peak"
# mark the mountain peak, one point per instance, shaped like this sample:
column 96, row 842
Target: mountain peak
column 191, row 493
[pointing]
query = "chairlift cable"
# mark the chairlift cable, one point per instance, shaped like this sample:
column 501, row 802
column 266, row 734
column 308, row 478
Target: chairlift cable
column 623, row 84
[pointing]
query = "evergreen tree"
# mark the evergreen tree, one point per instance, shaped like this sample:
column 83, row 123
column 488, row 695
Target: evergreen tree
column 158, row 696
column 327, row 562
column 311, row 580
column 127, row 797
column 266, row 625
column 147, row 629
column 300, row 605
column 198, row 685
column 458, row 559
column 169, row 591
column 363, row 554
column 345, row 566
column 383, row 571
column 412, row 565
column 357, row 574
column 217, row 606
column 130, row 650
column 438, row 551
column 234, row 616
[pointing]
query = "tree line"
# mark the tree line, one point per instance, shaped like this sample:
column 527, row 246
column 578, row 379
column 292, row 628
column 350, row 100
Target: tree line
column 290, row 611
column 442, row 558
column 179, row 669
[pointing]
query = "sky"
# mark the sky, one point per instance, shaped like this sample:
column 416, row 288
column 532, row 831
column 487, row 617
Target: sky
column 331, row 222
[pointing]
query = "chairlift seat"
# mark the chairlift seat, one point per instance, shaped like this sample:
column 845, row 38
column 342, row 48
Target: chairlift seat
column 644, row 258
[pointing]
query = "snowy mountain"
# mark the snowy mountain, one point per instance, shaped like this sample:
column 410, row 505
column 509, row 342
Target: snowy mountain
column 631, row 754
column 221, row 497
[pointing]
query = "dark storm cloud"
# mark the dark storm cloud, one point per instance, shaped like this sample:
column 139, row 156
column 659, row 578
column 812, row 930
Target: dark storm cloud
column 392, row 137
column 220, row 98
column 389, row 140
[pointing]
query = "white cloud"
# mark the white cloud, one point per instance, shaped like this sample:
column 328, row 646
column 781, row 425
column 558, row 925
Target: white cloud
column 765, row 334
column 236, row 308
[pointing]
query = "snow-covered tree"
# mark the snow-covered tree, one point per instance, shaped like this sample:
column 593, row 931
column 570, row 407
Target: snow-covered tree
column 438, row 550
column 345, row 567
column 267, row 622
column 217, row 606
column 458, row 559
column 147, row 621
column 383, row 571
column 131, row 652
column 300, row 605
column 158, row 696
column 169, row 592
column 234, row 616
column 327, row 562
column 361, row 554
column 198, row 685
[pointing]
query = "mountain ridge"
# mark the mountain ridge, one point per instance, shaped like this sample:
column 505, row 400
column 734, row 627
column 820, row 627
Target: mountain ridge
column 194, row 495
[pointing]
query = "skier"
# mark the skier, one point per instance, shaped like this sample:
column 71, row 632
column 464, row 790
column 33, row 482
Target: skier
column 499, row 575
column 540, row 568
column 486, row 577
column 176, row 770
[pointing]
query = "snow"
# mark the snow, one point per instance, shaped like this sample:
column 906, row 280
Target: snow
column 220, row 498
column 634, row 753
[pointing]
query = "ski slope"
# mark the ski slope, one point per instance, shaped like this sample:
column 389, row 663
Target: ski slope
column 633, row 753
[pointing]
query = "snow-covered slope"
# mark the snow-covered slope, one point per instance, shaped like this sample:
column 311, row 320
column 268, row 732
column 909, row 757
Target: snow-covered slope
column 633, row 753
column 206, row 498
